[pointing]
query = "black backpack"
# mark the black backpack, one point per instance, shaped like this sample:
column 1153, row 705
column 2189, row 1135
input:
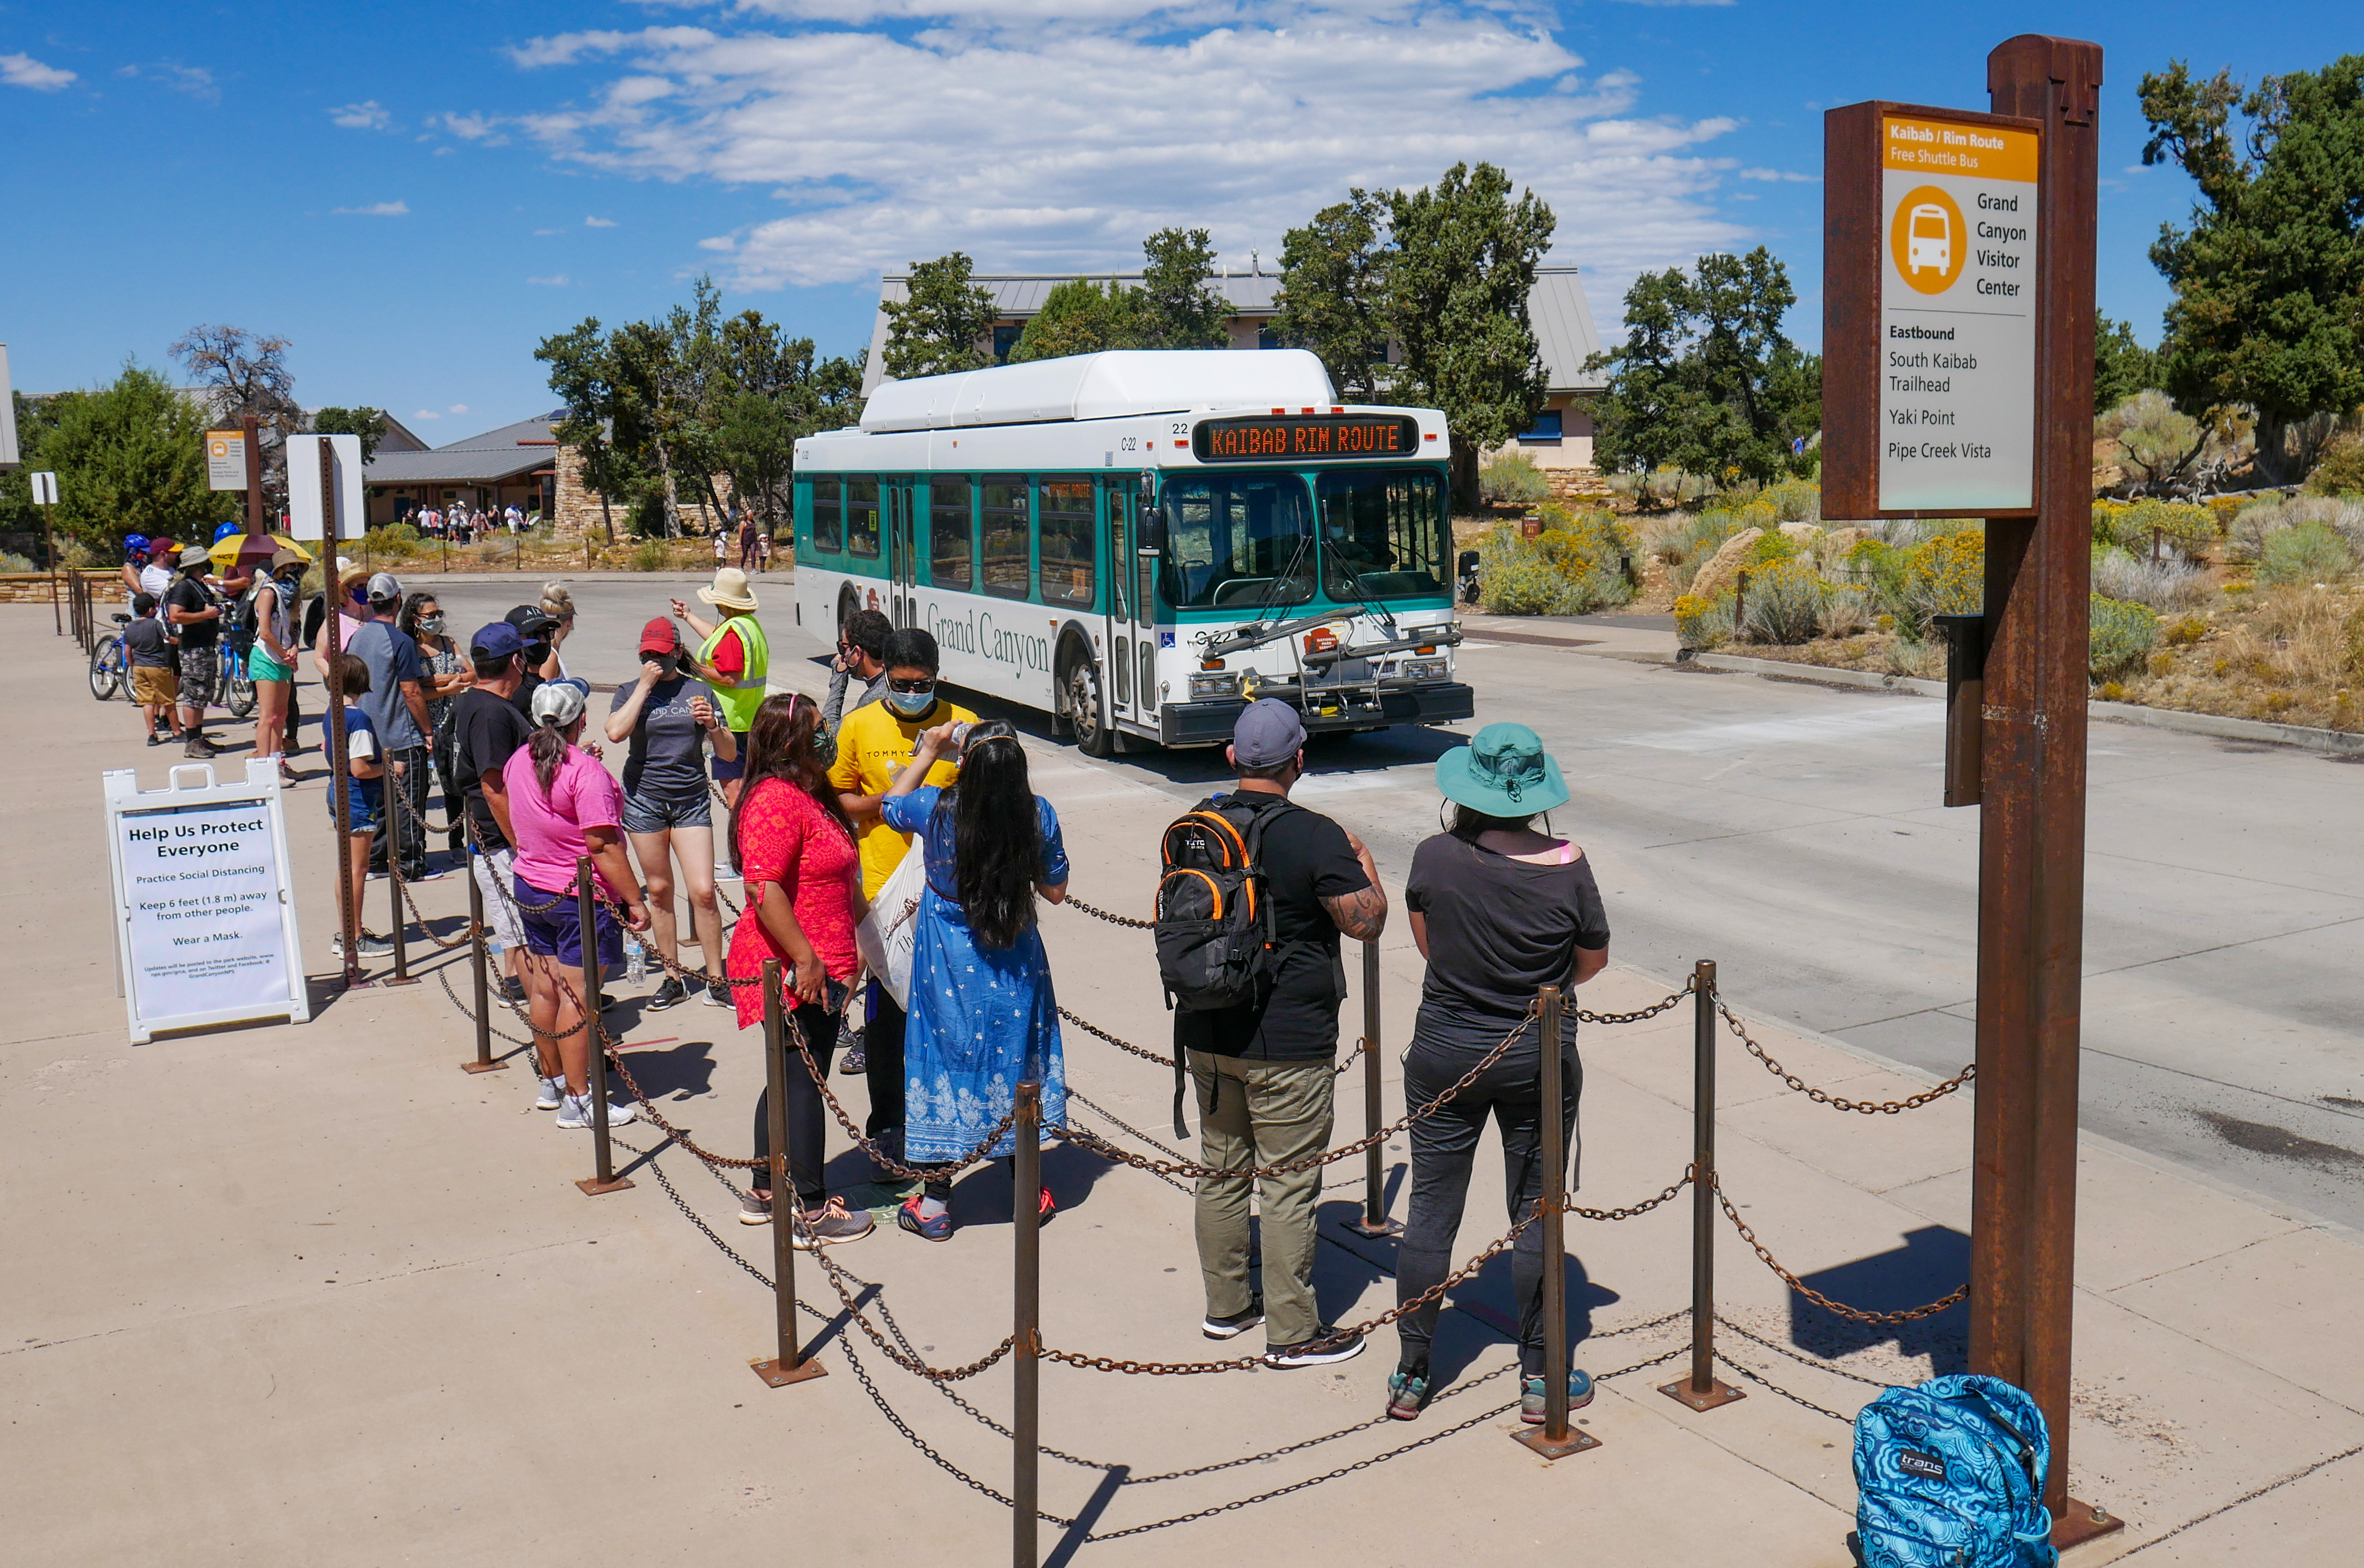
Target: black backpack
column 1213, row 919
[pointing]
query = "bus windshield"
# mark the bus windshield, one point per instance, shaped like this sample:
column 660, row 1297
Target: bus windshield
column 1383, row 533
column 1237, row 542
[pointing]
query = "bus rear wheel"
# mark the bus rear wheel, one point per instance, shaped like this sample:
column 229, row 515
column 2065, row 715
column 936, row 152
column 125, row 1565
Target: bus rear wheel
column 1094, row 737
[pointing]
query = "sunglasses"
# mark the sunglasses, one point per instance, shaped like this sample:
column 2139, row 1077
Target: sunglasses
column 911, row 687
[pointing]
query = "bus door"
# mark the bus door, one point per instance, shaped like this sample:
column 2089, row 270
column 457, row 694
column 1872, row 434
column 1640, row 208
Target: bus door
column 902, row 552
column 1130, row 638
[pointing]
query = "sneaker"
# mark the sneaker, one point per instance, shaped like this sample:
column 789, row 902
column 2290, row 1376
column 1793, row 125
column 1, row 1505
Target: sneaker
column 717, row 995
column 372, row 946
column 1329, row 1345
column 1238, row 1323
column 154, row 738
column 512, row 989
column 754, row 1209
column 553, row 1095
column 575, row 1113
column 831, row 1223
column 425, row 873
column 1406, row 1393
column 1046, row 1207
column 671, row 994
column 1531, row 1395
column 940, row 1229
column 853, row 1064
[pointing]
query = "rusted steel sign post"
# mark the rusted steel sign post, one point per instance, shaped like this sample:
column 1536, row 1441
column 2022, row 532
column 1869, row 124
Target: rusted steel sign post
column 1958, row 380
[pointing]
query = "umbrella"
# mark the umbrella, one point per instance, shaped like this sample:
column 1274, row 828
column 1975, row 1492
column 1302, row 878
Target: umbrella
column 230, row 548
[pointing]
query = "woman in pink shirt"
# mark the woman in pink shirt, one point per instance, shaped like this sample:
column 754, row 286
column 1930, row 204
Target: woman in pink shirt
column 799, row 859
column 564, row 804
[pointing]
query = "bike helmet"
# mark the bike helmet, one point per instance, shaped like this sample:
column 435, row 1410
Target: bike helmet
column 135, row 544
column 227, row 530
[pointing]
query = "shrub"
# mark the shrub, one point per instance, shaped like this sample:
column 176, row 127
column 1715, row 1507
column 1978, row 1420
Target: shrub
column 649, row 555
column 1796, row 501
column 395, row 541
column 1703, row 623
column 1688, row 540
column 1574, row 568
column 1513, row 480
column 1784, row 603
column 2304, row 552
column 2186, row 631
column 2188, row 531
column 2169, row 585
column 13, row 562
column 2123, row 634
column 1673, row 487
column 2341, row 471
column 1942, row 576
column 2260, row 519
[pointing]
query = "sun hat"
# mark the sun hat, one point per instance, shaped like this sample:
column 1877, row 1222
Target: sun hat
column 196, row 555
column 731, row 591
column 1505, row 771
column 1266, row 733
column 559, row 703
column 659, row 636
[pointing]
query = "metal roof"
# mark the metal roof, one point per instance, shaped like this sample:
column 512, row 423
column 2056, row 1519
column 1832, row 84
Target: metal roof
column 485, row 459
column 1562, row 318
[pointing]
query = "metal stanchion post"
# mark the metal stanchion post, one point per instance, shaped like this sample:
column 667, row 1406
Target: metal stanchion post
column 788, row 1365
column 396, row 803
column 1555, row 1439
column 477, row 967
column 595, row 1048
column 1025, row 1357
column 1700, row 1390
column 1374, row 1220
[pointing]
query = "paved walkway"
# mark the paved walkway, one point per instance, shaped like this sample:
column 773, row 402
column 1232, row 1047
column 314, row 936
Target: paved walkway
column 312, row 1294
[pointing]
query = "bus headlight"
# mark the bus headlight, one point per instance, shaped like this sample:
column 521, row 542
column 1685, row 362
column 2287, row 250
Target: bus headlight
column 1214, row 687
column 1425, row 669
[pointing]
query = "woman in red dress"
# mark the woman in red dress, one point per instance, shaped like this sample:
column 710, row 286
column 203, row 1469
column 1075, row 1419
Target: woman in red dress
column 803, row 869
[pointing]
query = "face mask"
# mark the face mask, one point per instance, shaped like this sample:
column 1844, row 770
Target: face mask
column 668, row 665
column 910, row 705
column 431, row 623
column 536, row 654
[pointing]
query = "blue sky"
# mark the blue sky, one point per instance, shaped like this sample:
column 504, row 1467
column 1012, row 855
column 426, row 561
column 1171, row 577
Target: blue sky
column 415, row 193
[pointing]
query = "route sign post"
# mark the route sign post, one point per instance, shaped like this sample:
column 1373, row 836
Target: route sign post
column 1959, row 255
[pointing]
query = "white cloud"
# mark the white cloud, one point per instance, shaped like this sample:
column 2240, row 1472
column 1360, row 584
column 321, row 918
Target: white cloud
column 555, row 281
column 1056, row 133
column 598, row 223
column 193, row 80
column 24, row 70
column 364, row 116
column 375, row 209
column 539, row 232
column 485, row 128
column 427, row 414
column 458, row 408
column 1782, row 176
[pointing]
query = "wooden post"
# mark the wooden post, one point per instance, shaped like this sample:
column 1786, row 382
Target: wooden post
column 788, row 1364
column 1555, row 1439
column 1700, row 1390
column 586, row 914
column 2031, row 838
column 1026, row 1356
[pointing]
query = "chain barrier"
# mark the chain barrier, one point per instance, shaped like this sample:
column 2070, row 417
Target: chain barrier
column 1096, row 913
column 1822, row 1098
column 1856, row 1314
column 443, row 977
column 1802, row 1359
column 1635, row 1017
column 1753, row 1375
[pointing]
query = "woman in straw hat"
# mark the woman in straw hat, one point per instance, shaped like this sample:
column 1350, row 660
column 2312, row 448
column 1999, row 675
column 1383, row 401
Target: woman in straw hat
column 733, row 659
column 1500, row 909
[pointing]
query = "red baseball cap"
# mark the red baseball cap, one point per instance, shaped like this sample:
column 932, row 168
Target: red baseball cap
column 659, row 636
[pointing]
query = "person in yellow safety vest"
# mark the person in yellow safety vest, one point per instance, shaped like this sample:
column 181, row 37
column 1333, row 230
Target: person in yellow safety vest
column 732, row 657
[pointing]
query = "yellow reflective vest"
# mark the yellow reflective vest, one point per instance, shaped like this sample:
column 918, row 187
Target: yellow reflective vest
column 740, row 700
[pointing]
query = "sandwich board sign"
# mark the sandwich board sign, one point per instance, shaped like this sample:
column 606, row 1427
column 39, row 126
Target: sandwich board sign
column 1930, row 247
column 205, row 918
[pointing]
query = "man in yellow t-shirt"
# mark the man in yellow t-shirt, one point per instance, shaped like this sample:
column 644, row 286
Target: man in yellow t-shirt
column 875, row 743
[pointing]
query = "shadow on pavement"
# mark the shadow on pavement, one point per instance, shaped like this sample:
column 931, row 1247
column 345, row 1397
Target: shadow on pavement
column 1932, row 1263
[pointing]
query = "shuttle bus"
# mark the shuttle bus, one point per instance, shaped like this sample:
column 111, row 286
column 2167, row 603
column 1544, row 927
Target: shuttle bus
column 1141, row 543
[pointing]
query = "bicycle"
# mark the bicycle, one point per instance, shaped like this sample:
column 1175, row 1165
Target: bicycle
column 109, row 669
column 238, row 681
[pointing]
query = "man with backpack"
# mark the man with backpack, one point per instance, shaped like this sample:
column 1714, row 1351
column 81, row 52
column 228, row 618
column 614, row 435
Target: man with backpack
column 1257, row 894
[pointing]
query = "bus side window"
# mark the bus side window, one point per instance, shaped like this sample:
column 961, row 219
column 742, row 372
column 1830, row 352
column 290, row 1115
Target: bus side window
column 1068, row 545
column 951, row 544
column 1008, row 536
column 861, row 516
column 828, row 515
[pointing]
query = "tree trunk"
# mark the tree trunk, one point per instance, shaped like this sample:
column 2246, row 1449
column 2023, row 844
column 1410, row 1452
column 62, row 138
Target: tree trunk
column 672, row 496
column 607, row 517
column 1463, row 469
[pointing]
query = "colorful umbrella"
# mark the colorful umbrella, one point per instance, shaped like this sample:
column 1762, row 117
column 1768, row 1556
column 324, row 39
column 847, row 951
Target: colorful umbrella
column 232, row 549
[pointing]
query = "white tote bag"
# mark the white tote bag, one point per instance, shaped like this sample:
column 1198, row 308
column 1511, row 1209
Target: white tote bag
column 890, row 930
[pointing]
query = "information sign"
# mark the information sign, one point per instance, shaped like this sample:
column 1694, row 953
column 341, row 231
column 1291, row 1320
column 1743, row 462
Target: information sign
column 303, row 487
column 225, row 460
column 1929, row 393
column 45, row 489
column 205, row 917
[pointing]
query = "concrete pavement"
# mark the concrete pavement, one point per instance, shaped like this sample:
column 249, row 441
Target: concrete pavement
column 310, row 1293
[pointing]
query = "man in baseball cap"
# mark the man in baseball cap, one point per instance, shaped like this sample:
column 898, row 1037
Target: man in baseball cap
column 397, row 705
column 533, row 625
column 1264, row 1069
column 489, row 725
column 195, row 616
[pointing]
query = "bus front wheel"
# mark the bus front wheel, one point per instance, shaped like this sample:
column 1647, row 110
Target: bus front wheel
column 1094, row 737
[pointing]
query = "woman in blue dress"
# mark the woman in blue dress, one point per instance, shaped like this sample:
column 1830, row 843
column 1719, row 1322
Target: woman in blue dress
column 983, row 1018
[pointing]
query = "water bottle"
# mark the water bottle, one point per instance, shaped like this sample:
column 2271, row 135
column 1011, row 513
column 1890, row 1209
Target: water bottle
column 636, row 960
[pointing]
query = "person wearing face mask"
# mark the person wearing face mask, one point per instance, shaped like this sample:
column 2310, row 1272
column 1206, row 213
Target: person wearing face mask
column 732, row 657
column 272, row 660
column 668, row 810
column 534, row 626
column 447, row 675
column 873, row 746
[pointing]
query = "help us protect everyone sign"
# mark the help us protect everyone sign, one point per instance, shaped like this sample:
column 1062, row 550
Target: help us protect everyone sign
column 1957, row 317
column 206, row 927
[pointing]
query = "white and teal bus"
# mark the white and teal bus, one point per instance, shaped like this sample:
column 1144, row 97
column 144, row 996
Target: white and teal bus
column 1141, row 543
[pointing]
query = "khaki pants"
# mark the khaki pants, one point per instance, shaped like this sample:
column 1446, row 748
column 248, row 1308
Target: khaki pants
column 1262, row 1113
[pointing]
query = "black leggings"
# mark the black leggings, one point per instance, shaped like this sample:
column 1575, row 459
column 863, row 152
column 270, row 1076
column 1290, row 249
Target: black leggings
column 807, row 1116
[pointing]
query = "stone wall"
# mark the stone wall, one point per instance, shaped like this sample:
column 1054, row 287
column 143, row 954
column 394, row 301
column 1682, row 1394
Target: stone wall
column 577, row 510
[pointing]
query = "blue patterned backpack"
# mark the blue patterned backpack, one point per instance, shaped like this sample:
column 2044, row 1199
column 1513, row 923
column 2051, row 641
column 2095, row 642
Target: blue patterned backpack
column 1950, row 1475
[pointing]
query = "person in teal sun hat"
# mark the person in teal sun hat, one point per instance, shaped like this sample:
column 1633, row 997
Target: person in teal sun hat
column 1500, row 908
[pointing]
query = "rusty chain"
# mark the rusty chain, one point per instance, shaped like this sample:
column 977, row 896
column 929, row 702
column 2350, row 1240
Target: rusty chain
column 1856, row 1314
column 1635, row 1017
column 1803, row 1359
column 1822, row 1098
column 1096, row 913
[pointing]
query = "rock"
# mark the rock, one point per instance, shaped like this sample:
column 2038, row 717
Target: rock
column 1723, row 569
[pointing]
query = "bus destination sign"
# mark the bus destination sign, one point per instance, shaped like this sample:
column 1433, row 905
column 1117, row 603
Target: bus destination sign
column 1279, row 437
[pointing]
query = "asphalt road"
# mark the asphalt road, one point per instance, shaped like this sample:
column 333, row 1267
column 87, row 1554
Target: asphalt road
column 1790, row 831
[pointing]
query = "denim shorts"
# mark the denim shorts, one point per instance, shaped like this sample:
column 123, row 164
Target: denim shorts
column 656, row 812
column 366, row 797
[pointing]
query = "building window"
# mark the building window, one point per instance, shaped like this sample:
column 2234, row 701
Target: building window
column 1266, row 337
column 1005, row 338
column 1546, row 432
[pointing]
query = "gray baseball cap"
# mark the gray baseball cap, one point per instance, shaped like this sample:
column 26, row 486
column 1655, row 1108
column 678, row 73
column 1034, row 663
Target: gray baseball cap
column 385, row 588
column 1268, row 732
